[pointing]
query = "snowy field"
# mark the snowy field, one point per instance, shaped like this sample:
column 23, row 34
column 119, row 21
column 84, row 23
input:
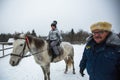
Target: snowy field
column 29, row 70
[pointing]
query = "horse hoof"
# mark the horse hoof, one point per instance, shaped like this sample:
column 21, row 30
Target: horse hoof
column 74, row 73
column 65, row 72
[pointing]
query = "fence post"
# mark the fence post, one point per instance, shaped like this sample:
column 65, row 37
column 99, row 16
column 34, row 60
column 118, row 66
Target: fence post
column 3, row 48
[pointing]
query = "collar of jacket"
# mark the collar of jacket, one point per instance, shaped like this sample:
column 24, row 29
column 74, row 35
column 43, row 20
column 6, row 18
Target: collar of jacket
column 54, row 29
column 113, row 40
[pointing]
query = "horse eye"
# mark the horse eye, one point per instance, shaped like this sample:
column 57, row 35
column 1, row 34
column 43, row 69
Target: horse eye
column 21, row 44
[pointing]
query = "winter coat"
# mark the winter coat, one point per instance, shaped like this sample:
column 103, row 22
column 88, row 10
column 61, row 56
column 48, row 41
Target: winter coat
column 54, row 35
column 102, row 61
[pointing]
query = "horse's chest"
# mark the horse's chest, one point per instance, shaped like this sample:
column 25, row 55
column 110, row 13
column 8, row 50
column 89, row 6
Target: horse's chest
column 39, row 59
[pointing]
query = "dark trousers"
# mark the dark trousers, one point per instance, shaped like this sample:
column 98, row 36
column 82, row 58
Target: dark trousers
column 53, row 45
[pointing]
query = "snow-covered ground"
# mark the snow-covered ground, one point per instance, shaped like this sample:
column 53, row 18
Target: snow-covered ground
column 29, row 70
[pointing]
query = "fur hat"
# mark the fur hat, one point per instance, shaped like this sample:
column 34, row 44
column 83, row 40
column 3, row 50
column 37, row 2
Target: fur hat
column 101, row 26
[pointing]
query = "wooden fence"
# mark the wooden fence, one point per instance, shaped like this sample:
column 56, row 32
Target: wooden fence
column 3, row 48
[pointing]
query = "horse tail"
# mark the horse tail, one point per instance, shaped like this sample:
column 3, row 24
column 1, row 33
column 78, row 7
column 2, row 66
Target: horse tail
column 69, row 62
column 70, row 58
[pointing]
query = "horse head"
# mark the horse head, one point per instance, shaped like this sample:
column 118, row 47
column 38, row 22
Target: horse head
column 19, row 49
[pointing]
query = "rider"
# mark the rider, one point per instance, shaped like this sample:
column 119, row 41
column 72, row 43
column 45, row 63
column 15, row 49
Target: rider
column 54, row 38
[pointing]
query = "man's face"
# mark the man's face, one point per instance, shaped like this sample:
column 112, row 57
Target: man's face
column 99, row 35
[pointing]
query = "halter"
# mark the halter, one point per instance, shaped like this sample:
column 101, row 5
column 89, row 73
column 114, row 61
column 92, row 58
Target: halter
column 23, row 51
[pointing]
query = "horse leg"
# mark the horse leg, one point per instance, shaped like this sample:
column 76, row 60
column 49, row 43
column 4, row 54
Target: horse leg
column 66, row 69
column 73, row 65
column 46, row 71
column 45, row 76
column 48, row 75
column 68, row 62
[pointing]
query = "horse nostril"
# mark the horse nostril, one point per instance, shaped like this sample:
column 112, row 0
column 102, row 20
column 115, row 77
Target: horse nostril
column 13, row 63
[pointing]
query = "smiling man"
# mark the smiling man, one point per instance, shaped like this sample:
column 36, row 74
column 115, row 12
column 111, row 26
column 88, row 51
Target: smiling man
column 101, row 56
column 100, row 31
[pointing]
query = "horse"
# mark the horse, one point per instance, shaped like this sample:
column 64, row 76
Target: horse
column 39, row 48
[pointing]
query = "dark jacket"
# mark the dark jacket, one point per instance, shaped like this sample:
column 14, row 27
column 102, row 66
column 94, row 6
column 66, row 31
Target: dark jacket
column 102, row 61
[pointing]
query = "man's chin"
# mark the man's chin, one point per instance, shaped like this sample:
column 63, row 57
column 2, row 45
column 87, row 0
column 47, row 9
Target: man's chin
column 98, row 41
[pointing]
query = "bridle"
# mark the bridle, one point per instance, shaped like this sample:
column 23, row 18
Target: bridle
column 26, row 43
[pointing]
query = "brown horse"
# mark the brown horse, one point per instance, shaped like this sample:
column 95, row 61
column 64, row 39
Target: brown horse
column 38, row 47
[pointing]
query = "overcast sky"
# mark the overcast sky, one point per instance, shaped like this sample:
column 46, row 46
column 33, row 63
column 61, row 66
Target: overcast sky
column 26, row 15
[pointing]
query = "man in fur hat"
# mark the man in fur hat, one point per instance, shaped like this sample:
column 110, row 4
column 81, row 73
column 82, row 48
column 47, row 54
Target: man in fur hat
column 101, row 56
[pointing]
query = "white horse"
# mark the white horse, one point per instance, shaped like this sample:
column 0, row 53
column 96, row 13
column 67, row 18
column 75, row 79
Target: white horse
column 40, row 50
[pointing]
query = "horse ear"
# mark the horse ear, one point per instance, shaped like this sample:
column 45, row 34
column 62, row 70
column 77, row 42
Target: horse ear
column 22, row 35
column 19, row 36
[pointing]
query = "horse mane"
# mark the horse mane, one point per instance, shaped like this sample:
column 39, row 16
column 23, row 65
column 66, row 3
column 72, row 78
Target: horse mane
column 39, row 42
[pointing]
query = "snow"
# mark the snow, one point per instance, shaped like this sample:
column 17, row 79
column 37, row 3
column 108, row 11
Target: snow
column 29, row 70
